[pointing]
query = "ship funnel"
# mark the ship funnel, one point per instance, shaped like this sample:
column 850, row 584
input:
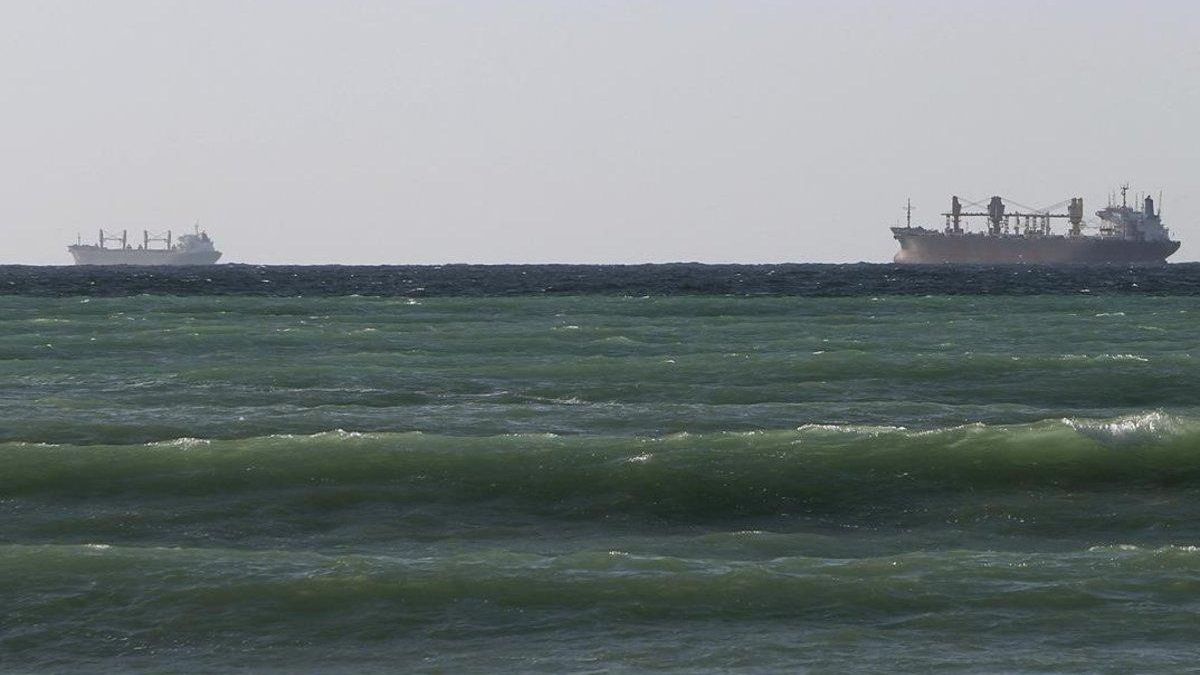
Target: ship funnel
column 1149, row 206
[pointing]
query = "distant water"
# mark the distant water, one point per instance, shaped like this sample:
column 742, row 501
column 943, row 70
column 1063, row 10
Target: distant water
column 673, row 279
column 467, row 469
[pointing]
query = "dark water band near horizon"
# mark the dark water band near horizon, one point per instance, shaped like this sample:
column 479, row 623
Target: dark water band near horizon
column 807, row 279
column 599, row 469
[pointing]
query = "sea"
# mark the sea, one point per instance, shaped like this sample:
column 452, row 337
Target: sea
column 688, row 468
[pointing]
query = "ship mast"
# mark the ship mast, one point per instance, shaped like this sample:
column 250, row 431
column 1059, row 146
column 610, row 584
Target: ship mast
column 908, row 209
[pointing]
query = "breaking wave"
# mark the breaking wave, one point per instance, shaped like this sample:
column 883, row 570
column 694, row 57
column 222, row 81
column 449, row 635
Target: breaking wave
column 814, row 467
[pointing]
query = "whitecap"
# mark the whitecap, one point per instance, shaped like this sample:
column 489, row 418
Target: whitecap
column 1123, row 357
column 1104, row 357
column 1133, row 548
column 1147, row 426
column 1114, row 547
column 185, row 443
column 339, row 433
column 855, row 429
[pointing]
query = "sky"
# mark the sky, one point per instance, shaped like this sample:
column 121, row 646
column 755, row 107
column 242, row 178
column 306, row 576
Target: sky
column 587, row 131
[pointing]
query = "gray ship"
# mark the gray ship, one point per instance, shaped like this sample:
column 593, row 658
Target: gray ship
column 161, row 249
column 1126, row 236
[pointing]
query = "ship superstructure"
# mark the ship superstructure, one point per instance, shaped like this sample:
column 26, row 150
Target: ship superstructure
column 1125, row 235
column 195, row 248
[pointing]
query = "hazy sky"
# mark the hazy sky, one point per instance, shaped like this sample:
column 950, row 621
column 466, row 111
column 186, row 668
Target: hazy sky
column 580, row 131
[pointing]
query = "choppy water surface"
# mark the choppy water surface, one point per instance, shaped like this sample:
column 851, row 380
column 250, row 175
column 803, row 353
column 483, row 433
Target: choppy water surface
column 599, row 482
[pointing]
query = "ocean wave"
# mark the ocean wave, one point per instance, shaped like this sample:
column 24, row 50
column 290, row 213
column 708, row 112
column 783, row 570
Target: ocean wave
column 1145, row 427
column 811, row 468
column 152, row 609
column 1125, row 549
column 274, row 584
column 1105, row 357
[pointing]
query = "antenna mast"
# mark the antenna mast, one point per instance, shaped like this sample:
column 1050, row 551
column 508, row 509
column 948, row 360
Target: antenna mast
column 908, row 214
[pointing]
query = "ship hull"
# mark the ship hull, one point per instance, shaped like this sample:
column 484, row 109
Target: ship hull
column 91, row 255
column 921, row 246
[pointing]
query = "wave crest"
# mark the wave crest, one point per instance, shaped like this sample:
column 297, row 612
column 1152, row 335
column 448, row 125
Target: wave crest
column 812, row 468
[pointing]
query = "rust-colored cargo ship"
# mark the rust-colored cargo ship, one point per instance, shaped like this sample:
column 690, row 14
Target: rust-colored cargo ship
column 1125, row 235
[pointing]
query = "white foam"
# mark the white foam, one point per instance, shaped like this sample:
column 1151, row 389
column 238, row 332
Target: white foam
column 854, row 429
column 1133, row 548
column 1104, row 357
column 1146, row 426
column 185, row 443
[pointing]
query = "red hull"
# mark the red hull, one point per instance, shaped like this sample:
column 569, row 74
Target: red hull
column 921, row 246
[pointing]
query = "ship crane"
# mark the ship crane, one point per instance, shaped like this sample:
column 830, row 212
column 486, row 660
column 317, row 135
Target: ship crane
column 1001, row 221
column 159, row 237
column 124, row 239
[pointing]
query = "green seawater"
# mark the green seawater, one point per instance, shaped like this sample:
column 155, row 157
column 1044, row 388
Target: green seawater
column 599, row 484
